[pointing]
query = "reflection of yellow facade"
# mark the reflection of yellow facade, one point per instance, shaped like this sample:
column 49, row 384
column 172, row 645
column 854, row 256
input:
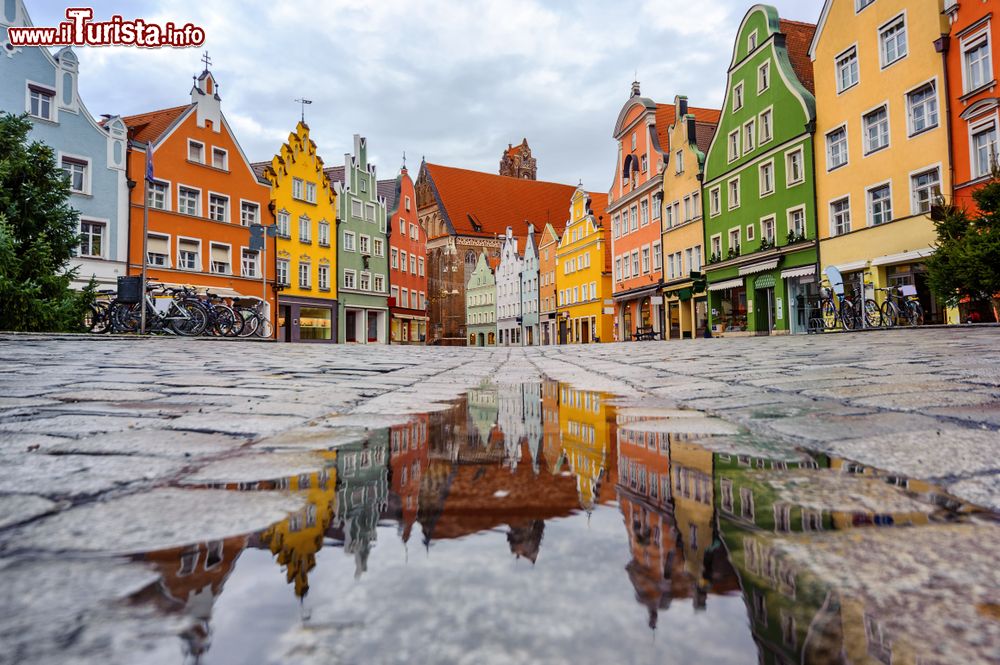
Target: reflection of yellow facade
column 583, row 279
column 296, row 540
column 586, row 429
column 854, row 85
column 691, row 479
column 847, row 520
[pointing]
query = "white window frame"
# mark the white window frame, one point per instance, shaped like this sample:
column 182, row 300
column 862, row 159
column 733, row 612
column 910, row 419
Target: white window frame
column 305, row 285
column 910, row 131
column 198, row 256
column 323, row 277
column 211, row 263
column 729, row 193
column 283, row 229
column 865, row 141
column 774, row 227
column 761, row 138
column 869, row 211
column 749, row 130
column 42, row 90
column 751, row 232
column 733, row 148
column 191, row 142
column 851, row 50
column 827, row 145
column 850, row 215
column 350, row 241
column 975, row 128
column 800, row 151
column 281, row 267
column 103, row 224
column 882, row 55
column 713, row 241
column 760, row 178
column 225, row 212
column 225, row 158
column 199, row 200
column 243, row 263
column 305, row 229
column 969, row 43
column 167, row 260
column 353, row 275
column 914, row 210
column 715, row 201
column 256, row 207
column 738, row 96
column 87, row 165
column 789, row 226
column 166, row 194
column 763, row 72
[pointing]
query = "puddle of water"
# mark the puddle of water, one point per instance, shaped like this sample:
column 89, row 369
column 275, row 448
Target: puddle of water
column 524, row 525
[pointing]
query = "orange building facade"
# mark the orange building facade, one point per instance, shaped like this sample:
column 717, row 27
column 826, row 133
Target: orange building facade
column 407, row 262
column 202, row 200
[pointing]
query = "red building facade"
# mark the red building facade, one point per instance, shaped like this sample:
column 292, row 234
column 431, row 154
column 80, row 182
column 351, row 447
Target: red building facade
column 407, row 262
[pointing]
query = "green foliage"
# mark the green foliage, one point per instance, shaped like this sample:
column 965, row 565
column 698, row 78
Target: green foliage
column 38, row 236
column 967, row 261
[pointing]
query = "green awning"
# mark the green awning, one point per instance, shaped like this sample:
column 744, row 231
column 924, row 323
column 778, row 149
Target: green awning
column 764, row 282
column 684, row 294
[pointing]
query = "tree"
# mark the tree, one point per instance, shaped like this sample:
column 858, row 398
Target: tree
column 966, row 264
column 38, row 236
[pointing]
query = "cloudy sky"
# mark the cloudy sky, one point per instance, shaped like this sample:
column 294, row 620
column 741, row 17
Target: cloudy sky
column 452, row 80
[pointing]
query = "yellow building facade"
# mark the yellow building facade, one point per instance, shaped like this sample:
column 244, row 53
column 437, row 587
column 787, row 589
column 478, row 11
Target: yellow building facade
column 305, row 210
column 681, row 250
column 583, row 274
column 587, row 429
column 882, row 156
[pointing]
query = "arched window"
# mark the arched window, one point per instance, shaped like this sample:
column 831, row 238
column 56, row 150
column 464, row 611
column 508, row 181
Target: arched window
column 470, row 258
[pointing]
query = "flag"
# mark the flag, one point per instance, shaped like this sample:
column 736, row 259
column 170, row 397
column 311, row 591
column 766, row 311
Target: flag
column 149, row 164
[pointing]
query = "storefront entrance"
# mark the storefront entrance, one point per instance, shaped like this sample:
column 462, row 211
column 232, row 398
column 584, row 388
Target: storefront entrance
column 916, row 275
column 626, row 333
column 585, row 331
column 764, row 304
column 674, row 319
column 700, row 316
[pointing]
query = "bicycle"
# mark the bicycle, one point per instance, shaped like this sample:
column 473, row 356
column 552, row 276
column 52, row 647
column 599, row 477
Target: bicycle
column 251, row 310
column 97, row 319
column 223, row 319
column 872, row 313
column 909, row 306
column 840, row 310
column 180, row 315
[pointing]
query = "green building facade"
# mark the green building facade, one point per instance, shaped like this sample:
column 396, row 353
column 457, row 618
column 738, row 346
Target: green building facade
column 481, row 305
column 362, row 250
column 759, row 190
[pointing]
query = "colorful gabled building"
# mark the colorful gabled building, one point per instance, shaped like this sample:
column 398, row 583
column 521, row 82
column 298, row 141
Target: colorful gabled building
column 362, row 254
column 407, row 261
column 481, row 307
column 305, row 211
column 760, row 229
column 203, row 199
column 548, row 245
column 529, row 290
column 882, row 130
column 508, row 276
column 682, row 225
column 45, row 85
column 583, row 273
column 634, row 207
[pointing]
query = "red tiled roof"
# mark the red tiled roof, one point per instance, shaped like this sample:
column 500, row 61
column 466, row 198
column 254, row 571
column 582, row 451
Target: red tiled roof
column 798, row 37
column 495, row 202
column 665, row 114
column 146, row 127
column 704, row 133
column 335, row 174
column 260, row 168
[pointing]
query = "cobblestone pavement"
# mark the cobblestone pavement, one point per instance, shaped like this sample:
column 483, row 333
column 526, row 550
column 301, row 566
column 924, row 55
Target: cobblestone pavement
column 113, row 445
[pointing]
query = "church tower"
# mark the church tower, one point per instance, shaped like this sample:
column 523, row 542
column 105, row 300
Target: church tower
column 517, row 162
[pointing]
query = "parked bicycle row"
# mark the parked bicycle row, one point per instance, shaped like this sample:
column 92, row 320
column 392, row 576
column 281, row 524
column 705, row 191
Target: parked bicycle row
column 176, row 310
column 900, row 306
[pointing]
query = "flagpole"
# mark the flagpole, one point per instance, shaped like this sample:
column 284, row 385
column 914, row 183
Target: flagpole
column 145, row 237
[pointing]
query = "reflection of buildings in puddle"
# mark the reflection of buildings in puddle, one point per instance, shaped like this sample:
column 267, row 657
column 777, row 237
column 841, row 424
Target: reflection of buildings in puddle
column 552, row 450
column 588, row 434
column 483, row 409
column 520, row 419
column 408, row 461
column 295, row 540
column 362, row 495
column 191, row 578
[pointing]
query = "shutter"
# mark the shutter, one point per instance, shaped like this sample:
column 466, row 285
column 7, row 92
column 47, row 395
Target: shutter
column 187, row 246
column 157, row 245
column 220, row 254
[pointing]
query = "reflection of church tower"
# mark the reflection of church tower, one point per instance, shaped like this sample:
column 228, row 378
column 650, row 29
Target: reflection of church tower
column 525, row 541
column 517, row 162
column 362, row 494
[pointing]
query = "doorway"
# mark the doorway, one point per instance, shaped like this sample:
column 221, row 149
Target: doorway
column 373, row 327
column 482, row 340
column 674, row 316
column 765, row 310
column 562, row 331
column 585, row 331
column 626, row 322
column 351, row 325
column 285, row 323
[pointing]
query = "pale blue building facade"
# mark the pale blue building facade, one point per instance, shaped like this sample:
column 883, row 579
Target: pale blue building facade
column 529, row 291
column 45, row 85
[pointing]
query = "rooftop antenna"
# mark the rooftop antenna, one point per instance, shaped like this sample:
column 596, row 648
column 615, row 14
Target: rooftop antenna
column 302, row 102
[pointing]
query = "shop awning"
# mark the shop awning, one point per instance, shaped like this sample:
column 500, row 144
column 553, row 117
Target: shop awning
column 759, row 267
column 798, row 272
column 409, row 316
column 903, row 257
column 852, row 266
column 764, row 282
column 728, row 284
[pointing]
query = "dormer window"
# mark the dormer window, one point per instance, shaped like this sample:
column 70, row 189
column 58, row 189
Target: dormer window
column 40, row 102
column 196, row 152
column 220, row 158
column 752, row 41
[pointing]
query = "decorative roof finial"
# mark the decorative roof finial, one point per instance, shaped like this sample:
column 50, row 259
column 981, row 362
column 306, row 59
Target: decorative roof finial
column 303, row 103
column 207, row 60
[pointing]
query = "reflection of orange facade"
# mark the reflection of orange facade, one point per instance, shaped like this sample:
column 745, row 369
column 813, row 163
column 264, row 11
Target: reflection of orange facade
column 205, row 196
column 408, row 460
column 552, row 450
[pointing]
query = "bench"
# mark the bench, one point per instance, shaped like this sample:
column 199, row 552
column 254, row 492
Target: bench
column 646, row 333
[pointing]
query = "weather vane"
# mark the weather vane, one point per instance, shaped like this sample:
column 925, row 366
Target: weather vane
column 303, row 103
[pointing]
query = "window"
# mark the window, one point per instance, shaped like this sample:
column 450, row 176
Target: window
column 379, row 247
column 220, row 158
column 634, row 216
column 688, row 261
column 644, row 163
column 420, row 266
column 764, row 77
column 188, row 201
column 892, row 41
column 323, row 277
column 984, row 149
column 734, row 240
column 671, row 266
column 281, row 268
column 349, row 279
column 413, row 264
column 365, row 281
column 670, row 221
column 767, row 231
column 616, row 226
column 734, row 193
column 696, row 205
column 402, row 260
column 644, row 212
column 297, row 188
column 794, row 167
column 218, row 207
column 657, row 256
column 861, row 4
column 323, row 233
column 717, row 246
column 249, row 263
column 157, row 194
column 284, row 220
column 840, row 217
column 370, row 212
column 618, row 269
column 407, row 204
column 364, row 184
column 645, row 260
column 797, row 222
column 752, row 41
column 394, row 294
column 380, row 284
column 749, row 136
column 847, row 69
column 414, row 233
column 977, row 70
column 657, row 205
column 876, row 125
column 304, row 275
column 157, row 250
column 196, row 151
column 635, row 262
column 926, row 188
column 679, row 162
column 738, row 96
column 751, row 232
column 248, row 213
column 879, row 205
column 734, row 145
column 766, row 178
column 922, row 108
column 766, row 126
column 394, row 258
column 715, row 201
column 220, row 259
column 633, row 140
column 836, row 148
column 76, row 169
column 349, row 241
column 91, row 239
column 40, row 102
column 188, row 254
column 365, row 244
column 305, row 229
column 356, row 208
column 311, row 192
